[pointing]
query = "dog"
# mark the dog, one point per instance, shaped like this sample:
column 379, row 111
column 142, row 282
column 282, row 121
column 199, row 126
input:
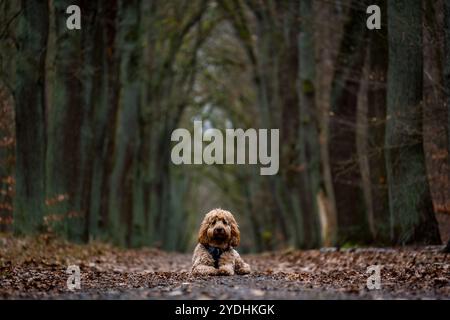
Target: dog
column 215, row 254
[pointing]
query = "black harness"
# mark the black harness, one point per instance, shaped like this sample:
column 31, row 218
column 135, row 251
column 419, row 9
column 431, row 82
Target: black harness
column 215, row 253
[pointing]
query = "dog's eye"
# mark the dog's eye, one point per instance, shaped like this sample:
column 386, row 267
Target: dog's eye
column 225, row 222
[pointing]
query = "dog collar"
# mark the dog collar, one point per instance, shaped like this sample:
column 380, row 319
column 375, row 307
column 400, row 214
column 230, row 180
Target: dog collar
column 215, row 252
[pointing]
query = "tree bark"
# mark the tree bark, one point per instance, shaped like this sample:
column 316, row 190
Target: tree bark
column 30, row 118
column 309, row 148
column 9, row 11
column 348, row 193
column 376, row 116
column 65, row 118
column 126, row 139
column 447, row 84
column 411, row 210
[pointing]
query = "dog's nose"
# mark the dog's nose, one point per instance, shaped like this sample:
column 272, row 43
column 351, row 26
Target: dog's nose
column 220, row 230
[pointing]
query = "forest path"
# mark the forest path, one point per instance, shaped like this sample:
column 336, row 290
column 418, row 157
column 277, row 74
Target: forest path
column 37, row 269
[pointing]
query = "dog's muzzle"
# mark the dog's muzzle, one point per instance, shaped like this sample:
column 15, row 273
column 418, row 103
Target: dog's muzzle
column 219, row 233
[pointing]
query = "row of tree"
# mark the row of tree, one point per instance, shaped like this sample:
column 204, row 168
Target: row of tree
column 351, row 111
column 94, row 110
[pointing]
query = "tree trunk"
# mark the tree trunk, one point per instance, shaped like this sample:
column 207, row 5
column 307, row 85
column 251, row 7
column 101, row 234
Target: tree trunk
column 126, row 139
column 309, row 148
column 93, row 110
column 376, row 115
column 65, row 118
column 435, row 121
column 352, row 222
column 8, row 15
column 447, row 247
column 30, row 118
column 447, row 86
column 411, row 210
column 106, row 120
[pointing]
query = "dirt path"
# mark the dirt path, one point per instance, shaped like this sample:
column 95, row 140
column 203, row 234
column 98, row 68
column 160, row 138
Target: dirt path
column 37, row 269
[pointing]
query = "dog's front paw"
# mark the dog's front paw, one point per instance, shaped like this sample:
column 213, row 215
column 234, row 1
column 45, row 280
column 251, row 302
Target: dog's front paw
column 225, row 271
column 244, row 269
column 205, row 270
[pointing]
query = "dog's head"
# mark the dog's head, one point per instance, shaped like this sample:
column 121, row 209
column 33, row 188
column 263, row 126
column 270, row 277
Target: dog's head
column 219, row 229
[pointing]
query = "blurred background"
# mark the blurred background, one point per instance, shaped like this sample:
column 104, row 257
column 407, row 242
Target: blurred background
column 86, row 118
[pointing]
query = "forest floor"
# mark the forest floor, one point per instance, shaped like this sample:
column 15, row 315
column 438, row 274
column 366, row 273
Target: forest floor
column 36, row 269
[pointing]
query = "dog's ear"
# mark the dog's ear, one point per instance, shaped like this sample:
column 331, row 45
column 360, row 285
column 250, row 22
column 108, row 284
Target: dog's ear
column 203, row 232
column 235, row 233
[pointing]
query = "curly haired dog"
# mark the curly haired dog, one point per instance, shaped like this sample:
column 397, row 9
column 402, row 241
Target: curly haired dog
column 215, row 253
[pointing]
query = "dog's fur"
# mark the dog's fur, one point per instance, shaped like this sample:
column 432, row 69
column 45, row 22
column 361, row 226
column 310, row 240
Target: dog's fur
column 218, row 230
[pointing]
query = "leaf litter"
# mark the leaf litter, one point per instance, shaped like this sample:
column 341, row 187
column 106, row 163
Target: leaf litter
column 35, row 268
